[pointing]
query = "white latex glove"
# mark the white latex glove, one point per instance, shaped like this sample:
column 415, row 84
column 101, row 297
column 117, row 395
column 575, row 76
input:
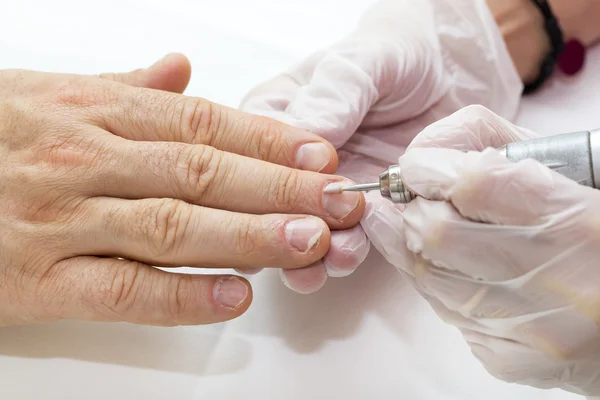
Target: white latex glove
column 408, row 64
column 507, row 252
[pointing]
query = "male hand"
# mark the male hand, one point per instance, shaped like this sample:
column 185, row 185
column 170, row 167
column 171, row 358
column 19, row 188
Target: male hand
column 102, row 178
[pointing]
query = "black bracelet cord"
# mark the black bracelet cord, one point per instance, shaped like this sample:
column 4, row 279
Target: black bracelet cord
column 557, row 42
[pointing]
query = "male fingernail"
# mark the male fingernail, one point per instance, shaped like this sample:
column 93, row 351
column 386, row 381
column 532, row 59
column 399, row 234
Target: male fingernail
column 304, row 234
column 230, row 292
column 313, row 157
column 342, row 204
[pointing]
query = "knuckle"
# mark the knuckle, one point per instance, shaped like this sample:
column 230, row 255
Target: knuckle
column 45, row 278
column 198, row 169
column 69, row 150
column 180, row 297
column 124, row 288
column 286, row 189
column 200, row 120
column 267, row 139
column 111, row 76
column 40, row 195
column 14, row 114
column 169, row 223
column 56, row 207
column 80, row 93
column 247, row 235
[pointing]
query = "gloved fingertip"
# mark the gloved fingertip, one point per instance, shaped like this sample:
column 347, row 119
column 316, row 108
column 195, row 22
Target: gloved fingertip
column 305, row 280
column 348, row 250
column 335, row 272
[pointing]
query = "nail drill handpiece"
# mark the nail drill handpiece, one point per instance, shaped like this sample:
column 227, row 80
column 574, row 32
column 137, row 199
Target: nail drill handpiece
column 575, row 155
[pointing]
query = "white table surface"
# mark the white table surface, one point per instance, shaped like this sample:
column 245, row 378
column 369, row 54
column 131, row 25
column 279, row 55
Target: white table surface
column 368, row 336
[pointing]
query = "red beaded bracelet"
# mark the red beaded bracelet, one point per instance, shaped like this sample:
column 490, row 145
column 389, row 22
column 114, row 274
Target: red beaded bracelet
column 571, row 60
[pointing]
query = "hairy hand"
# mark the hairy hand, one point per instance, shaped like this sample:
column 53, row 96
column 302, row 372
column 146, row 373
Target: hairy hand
column 102, row 178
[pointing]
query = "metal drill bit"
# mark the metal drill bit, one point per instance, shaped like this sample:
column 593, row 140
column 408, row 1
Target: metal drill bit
column 353, row 188
column 361, row 188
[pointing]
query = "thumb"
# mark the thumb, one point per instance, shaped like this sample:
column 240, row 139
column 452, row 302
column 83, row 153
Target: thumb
column 471, row 128
column 171, row 73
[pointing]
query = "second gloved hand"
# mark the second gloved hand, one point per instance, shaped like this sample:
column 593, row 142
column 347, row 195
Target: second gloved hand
column 507, row 252
column 404, row 67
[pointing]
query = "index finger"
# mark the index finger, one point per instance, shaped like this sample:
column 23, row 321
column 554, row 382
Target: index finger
column 150, row 115
column 211, row 178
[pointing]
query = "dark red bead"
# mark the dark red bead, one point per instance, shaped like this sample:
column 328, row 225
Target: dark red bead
column 572, row 58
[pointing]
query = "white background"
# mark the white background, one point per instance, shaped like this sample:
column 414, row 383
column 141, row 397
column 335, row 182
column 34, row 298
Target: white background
column 368, row 336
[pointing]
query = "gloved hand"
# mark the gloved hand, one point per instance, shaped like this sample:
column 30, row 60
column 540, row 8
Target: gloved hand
column 507, row 252
column 404, row 67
